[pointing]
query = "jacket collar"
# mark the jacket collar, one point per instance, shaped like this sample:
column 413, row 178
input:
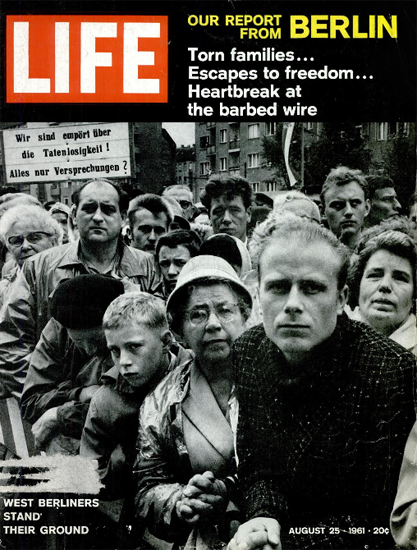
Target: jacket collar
column 324, row 374
column 129, row 264
column 182, row 386
column 111, row 375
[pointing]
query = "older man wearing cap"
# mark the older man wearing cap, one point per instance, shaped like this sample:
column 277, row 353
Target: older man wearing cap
column 185, row 442
column 183, row 195
column 68, row 361
column 179, row 221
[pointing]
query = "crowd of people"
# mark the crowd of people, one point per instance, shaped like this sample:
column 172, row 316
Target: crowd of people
column 239, row 385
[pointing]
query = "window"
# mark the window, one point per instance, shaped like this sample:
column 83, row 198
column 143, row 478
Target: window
column 204, row 142
column 223, row 136
column 235, row 134
column 403, row 128
column 253, row 160
column 271, row 128
column 310, row 126
column 253, row 131
column 204, row 168
column 392, row 128
column 234, row 161
column 382, row 131
column 256, row 186
column 223, row 164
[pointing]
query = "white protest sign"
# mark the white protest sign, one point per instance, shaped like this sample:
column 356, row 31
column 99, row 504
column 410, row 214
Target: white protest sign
column 61, row 153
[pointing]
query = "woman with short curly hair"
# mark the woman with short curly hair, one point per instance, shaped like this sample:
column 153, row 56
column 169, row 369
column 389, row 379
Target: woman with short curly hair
column 382, row 285
column 26, row 230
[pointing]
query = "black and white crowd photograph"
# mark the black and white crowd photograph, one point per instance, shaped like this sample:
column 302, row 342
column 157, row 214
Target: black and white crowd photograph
column 215, row 322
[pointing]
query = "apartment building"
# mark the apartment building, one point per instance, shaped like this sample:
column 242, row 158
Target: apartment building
column 234, row 148
column 185, row 166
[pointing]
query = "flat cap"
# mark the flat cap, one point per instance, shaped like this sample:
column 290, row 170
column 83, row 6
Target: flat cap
column 81, row 302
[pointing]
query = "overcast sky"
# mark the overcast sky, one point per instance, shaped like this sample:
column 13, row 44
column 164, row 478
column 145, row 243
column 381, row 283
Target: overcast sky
column 182, row 133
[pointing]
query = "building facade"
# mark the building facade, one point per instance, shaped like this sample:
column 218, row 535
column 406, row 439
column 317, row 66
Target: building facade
column 185, row 166
column 234, row 148
column 237, row 149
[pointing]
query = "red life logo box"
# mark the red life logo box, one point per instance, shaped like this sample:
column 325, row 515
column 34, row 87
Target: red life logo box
column 86, row 59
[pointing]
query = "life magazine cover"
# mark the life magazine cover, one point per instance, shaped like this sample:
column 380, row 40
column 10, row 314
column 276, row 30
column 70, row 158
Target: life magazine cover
column 232, row 184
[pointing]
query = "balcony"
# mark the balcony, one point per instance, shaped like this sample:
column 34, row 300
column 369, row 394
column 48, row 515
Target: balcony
column 204, row 142
column 211, row 150
column 234, row 145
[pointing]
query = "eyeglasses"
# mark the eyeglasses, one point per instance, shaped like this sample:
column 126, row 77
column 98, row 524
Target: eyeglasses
column 226, row 313
column 185, row 204
column 33, row 238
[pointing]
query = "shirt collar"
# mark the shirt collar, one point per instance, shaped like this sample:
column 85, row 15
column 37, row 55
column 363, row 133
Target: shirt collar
column 128, row 264
column 322, row 377
column 112, row 270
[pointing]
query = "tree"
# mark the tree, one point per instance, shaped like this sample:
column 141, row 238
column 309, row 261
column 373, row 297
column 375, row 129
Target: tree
column 338, row 144
column 185, row 153
column 400, row 163
column 273, row 153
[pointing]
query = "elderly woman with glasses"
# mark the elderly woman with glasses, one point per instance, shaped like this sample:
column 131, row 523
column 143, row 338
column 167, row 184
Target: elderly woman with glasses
column 382, row 284
column 185, row 443
column 26, row 230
